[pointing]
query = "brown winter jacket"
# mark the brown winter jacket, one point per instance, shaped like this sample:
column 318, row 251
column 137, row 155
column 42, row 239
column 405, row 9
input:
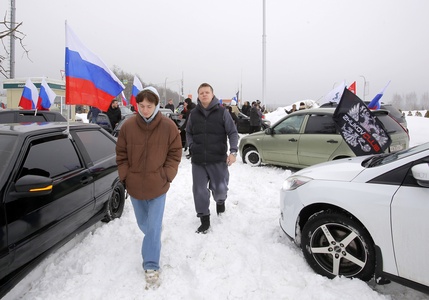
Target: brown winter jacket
column 148, row 155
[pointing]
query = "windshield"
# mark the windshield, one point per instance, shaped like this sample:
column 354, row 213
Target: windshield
column 7, row 146
column 383, row 159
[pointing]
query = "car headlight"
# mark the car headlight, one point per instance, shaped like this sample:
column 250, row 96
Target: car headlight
column 294, row 182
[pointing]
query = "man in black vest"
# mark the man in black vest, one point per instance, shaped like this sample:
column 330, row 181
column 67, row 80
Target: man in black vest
column 209, row 127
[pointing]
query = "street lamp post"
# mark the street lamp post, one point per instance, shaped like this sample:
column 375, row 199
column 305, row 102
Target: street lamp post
column 165, row 91
column 364, row 87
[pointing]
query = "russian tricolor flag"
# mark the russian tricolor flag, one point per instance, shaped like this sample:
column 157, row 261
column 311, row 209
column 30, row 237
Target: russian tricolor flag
column 29, row 96
column 137, row 87
column 88, row 80
column 375, row 103
column 124, row 100
column 46, row 96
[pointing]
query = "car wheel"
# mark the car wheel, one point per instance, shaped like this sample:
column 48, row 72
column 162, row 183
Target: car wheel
column 115, row 205
column 251, row 156
column 334, row 244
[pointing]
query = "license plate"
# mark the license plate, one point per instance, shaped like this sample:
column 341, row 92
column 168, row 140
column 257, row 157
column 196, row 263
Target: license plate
column 396, row 148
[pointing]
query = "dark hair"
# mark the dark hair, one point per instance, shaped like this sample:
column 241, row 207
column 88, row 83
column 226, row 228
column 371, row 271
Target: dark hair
column 146, row 94
column 205, row 85
column 188, row 100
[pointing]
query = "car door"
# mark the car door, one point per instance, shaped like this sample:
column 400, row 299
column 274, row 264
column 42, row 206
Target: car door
column 281, row 147
column 410, row 210
column 35, row 224
column 99, row 152
column 319, row 140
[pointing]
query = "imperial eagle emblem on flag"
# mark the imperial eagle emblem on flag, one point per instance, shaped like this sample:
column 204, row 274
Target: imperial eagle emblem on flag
column 361, row 130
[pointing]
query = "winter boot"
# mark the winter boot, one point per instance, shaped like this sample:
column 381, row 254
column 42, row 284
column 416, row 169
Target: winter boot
column 152, row 279
column 220, row 208
column 205, row 224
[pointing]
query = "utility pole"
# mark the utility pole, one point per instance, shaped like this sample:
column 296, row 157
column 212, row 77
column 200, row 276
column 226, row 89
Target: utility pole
column 12, row 40
column 264, row 42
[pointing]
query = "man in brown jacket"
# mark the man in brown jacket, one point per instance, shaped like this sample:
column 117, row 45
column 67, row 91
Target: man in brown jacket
column 148, row 153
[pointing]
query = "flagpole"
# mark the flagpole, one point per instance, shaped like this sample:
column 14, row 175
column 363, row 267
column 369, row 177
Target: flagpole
column 364, row 87
column 263, row 53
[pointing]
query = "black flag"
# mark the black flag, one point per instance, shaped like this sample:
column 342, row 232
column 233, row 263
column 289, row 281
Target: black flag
column 363, row 132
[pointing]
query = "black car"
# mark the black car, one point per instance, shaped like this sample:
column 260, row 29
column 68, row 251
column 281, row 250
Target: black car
column 243, row 124
column 56, row 179
column 18, row 116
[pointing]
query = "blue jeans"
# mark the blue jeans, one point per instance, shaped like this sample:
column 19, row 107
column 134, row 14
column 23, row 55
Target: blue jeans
column 149, row 215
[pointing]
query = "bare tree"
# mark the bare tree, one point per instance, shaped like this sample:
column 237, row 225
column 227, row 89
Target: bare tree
column 9, row 30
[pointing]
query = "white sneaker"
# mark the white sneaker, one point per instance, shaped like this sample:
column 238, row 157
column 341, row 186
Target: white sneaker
column 152, row 279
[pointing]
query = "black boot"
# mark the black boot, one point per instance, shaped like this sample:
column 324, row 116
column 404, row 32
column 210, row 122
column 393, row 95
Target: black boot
column 220, row 208
column 205, row 224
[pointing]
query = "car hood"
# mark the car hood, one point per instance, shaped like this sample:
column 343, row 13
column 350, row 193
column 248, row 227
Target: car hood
column 338, row 170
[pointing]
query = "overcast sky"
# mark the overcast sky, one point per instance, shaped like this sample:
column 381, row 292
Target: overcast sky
column 311, row 45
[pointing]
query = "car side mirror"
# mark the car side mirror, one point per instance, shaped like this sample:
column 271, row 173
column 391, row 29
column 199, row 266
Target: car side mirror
column 421, row 174
column 269, row 131
column 32, row 186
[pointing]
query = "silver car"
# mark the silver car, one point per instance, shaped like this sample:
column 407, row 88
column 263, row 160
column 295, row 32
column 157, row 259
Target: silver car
column 308, row 137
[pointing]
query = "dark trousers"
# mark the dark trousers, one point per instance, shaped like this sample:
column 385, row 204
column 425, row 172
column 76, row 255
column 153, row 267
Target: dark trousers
column 206, row 178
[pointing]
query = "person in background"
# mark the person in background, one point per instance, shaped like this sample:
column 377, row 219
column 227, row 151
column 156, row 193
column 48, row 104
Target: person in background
column 114, row 113
column 189, row 106
column 148, row 153
column 209, row 128
column 233, row 116
column 92, row 114
column 302, row 106
column 293, row 109
column 234, row 107
column 170, row 105
column 245, row 109
column 255, row 118
column 261, row 107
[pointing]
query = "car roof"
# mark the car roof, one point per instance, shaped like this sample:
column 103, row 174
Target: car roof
column 24, row 128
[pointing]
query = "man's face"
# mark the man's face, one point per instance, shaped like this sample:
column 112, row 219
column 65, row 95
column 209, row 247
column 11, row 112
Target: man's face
column 146, row 108
column 205, row 95
column 115, row 104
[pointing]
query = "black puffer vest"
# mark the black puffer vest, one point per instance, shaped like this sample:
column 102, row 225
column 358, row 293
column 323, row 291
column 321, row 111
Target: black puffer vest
column 209, row 136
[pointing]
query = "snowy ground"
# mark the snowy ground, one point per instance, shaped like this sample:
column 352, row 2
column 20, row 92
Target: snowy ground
column 245, row 256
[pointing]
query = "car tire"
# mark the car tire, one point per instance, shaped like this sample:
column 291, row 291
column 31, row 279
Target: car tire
column 115, row 205
column 252, row 157
column 330, row 256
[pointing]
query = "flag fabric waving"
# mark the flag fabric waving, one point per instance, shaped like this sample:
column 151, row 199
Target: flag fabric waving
column 364, row 133
column 29, row 96
column 335, row 94
column 124, row 100
column 375, row 103
column 88, row 80
column 137, row 87
column 352, row 88
column 46, row 96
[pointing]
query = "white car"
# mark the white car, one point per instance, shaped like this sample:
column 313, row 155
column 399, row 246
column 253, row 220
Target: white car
column 363, row 217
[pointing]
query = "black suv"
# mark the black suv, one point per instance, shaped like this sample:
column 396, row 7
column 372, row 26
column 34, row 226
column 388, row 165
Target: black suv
column 56, row 180
column 19, row 116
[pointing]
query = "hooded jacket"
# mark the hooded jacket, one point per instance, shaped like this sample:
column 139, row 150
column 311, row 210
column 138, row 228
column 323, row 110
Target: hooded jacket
column 148, row 155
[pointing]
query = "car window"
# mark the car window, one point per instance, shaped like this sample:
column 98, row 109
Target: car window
column 320, row 124
column 7, row 147
column 390, row 124
column 51, row 158
column 289, row 125
column 97, row 144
